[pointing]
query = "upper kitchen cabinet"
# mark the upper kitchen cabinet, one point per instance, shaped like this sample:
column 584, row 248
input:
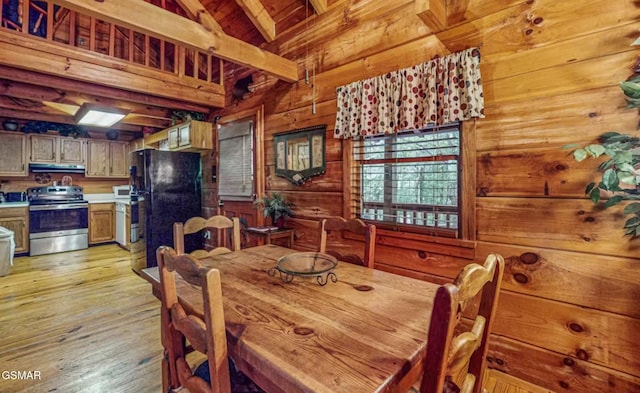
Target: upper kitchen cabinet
column 13, row 154
column 193, row 135
column 107, row 159
column 55, row 149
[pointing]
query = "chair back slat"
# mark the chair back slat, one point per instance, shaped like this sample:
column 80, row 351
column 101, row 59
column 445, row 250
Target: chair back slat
column 355, row 226
column 220, row 224
column 455, row 358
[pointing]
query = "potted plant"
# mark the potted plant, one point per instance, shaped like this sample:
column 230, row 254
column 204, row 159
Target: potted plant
column 276, row 207
column 620, row 179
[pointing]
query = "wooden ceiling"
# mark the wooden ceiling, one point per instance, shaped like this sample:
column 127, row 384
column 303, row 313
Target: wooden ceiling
column 26, row 95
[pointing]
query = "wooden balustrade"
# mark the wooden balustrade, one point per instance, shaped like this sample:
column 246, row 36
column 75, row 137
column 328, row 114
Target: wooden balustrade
column 70, row 28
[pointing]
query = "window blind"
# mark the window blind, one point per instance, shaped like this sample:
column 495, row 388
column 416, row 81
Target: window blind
column 235, row 166
column 409, row 180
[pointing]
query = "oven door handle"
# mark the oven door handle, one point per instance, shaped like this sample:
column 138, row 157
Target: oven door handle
column 59, row 207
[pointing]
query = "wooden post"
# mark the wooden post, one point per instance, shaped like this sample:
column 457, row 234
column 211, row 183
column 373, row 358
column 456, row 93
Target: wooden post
column 112, row 39
column 92, row 34
column 50, row 17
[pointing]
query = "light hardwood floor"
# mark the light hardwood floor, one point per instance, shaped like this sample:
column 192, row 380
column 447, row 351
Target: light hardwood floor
column 86, row 323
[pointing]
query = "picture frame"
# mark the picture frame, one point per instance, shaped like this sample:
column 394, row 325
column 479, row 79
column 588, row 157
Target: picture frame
column 300, row 154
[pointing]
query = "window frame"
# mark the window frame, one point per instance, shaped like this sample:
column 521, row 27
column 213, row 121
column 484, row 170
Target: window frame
column 466, row 190
column 247, row 138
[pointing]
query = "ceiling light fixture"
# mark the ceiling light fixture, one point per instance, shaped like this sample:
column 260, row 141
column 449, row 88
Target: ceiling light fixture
column 99, row 116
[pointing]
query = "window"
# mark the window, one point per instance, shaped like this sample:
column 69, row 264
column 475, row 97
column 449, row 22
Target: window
column 235, row 161
column 410, row 180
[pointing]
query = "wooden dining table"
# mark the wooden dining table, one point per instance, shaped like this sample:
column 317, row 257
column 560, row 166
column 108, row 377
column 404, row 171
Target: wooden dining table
column 366, row 332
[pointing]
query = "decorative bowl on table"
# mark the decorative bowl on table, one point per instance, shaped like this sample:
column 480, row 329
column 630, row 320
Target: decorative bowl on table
column 306, row 264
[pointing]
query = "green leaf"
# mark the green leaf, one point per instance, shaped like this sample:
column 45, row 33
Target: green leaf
column 595, row 195
column 623, row 157
column 579, row 154
column 634, row 78
column 595, row 150
column 630, row 89
column 589, row 187
column 636, row 42
column 626, row 167
column 632, row 222
column 632, row 208
column 610, row 179
column 613, row 201
column 627, row 178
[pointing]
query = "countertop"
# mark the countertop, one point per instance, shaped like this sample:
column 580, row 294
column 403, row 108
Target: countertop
column 13, row 204
column 105, row 198
column 92, row 198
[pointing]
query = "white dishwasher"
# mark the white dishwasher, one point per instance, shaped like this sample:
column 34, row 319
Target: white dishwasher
column 121, row 230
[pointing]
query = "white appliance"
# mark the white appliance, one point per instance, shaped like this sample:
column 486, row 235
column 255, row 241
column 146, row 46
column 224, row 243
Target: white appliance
column 122, row 199
column 121, row 192
column 121, row 223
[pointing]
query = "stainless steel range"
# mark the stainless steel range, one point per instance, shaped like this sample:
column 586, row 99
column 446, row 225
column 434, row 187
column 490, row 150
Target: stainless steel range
column 58, row 219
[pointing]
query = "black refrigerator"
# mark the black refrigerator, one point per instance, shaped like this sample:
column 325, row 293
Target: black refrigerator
column 165, row 188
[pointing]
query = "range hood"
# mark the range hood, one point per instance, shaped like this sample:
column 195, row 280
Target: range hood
column 56, row 168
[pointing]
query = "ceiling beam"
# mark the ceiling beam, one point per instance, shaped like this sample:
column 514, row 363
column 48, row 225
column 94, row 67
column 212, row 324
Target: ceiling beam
column 433, row 13
column 135, row 119
column 319, row 5
column 64, row 84
column 260, row 18
column 198, row 13
column 163, row 24
column 47, row 94
column 55, row 118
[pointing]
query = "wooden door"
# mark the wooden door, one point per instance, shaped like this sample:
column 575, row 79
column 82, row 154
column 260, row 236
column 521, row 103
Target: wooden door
column 97, row 158
column 17, row 220
column 71, row 151
column 13, row 154
column 184, row 135
column 101, row 222
column 173, row 138
column 242, row 205
column 119, row 156
column 44, row 148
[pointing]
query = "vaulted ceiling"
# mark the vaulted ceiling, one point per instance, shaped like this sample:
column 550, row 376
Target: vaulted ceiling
column 243, row 33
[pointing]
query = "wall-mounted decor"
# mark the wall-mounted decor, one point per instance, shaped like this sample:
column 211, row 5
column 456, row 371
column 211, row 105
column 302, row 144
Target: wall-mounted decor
column 300, row 153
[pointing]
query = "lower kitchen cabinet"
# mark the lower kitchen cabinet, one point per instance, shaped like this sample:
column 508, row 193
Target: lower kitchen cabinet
column 16, row 219
column 101, row 222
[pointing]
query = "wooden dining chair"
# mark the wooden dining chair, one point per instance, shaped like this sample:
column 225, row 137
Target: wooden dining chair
column 207, row 336
column 220, row 224
column 355, row 226
column 456, row 357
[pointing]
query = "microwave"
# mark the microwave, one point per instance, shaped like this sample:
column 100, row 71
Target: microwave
column 121, row 192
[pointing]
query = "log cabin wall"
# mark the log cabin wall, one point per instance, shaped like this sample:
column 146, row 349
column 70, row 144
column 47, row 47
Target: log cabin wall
column 568, row 318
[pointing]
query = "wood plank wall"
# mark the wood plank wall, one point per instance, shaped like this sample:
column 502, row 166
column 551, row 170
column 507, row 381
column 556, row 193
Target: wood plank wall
column 568, row 317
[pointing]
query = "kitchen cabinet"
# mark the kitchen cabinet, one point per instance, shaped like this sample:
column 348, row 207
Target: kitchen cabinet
column 192, row 136
column 107, row 159
column 56, row 149
column 101, row 222
column 13, row 154
column 16, row 219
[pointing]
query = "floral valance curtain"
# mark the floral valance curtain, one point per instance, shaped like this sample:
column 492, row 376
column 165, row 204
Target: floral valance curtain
column 440, row 91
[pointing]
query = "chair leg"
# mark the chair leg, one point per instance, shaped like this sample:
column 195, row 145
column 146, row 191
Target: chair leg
column 166, row 374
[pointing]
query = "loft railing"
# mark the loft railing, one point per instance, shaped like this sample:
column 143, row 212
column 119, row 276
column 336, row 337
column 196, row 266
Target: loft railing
column 63, row 26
